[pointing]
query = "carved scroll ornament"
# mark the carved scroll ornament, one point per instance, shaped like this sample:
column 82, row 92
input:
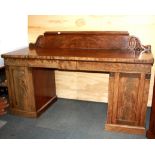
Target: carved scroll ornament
column 135, row 44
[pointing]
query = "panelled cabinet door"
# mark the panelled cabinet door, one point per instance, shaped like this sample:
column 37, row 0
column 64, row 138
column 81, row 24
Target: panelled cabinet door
column 21, row 93
column 127, row 99
column 128, row 95
column 132, row 99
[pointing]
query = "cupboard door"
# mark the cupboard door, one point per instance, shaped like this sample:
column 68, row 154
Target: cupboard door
column 21, row 90
column 127, row 104
column 128, row 95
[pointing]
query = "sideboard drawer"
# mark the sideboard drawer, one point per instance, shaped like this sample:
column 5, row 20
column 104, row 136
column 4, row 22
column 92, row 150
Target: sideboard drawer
column 67, row 65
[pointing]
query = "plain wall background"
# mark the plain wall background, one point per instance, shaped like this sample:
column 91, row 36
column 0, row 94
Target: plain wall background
column 13, row 26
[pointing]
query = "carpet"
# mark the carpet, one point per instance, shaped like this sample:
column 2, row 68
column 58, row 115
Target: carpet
column 65, row 119
column 81, row 119
column 74, row 115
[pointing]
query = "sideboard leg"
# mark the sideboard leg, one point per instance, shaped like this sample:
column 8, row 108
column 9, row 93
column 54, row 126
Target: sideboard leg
column 31, row 90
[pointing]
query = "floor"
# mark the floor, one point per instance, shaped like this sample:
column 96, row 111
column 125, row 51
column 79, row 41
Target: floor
column 66, row 119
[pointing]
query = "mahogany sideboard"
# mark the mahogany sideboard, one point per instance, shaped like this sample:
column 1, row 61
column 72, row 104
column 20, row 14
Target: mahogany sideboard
column 31, row 79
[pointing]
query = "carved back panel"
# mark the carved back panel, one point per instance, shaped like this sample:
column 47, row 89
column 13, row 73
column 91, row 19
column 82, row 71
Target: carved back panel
column 84, row 40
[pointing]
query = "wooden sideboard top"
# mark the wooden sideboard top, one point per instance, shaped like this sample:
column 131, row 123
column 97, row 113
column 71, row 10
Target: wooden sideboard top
column 82, row 54
column 106, row 46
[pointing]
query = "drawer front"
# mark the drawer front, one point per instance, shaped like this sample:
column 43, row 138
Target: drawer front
column 67, row 65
